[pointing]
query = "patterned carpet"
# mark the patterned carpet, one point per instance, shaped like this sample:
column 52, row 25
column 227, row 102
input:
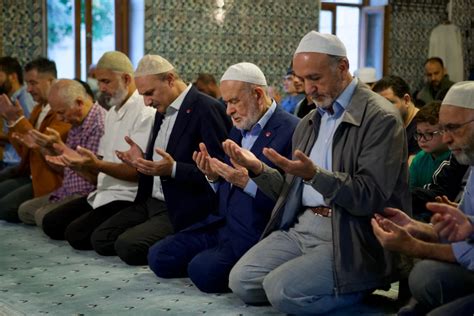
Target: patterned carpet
column 39, row 276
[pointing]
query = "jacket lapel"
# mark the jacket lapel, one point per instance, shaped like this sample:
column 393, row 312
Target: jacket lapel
column 182, row 121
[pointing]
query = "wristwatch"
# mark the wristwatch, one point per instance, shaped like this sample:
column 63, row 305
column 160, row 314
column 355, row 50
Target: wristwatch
column 313, row 179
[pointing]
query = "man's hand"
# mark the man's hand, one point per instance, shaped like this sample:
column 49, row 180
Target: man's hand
column 238, row 175
column 46, row 141
column 242, row 157
column 9, row 111
column 161, row 168
column 393, row 237
column 201, row 158
column 26, row 140
column 302, row 166
column 444, row 199
column 82, row 159
column 130, row 156
column 401, row 219
column 449, row 222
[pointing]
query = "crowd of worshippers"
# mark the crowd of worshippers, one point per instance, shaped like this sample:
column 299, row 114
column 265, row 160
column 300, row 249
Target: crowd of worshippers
column 309, row 204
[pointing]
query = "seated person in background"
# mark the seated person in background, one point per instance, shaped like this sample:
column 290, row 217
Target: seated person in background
column 116, row 182
column 172, row 193
column 447, row 183
column 433, row 150
column 73, row 105
column 367, row 75
column 33, row 177
column 444, row 279
column 207, row 84
column 208, row 250
column 397, row 91
column 293, row 96
column 11, row 84
column 437, row 82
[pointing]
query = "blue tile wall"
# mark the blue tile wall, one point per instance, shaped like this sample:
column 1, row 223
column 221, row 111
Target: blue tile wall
column 21, row 29
column 263, row 32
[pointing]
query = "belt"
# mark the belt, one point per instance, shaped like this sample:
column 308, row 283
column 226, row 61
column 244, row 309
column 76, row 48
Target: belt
column 323, row 211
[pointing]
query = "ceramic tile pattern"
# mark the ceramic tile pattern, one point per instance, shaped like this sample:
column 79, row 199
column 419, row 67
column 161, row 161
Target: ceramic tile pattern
column 21, row 29
column 263, row 32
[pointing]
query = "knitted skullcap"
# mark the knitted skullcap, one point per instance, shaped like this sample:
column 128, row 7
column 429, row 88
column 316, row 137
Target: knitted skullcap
column 152, row 65
column 461, row 94
column 315, row 42
column 115, row 61
column 366, row 74
column 246, row 72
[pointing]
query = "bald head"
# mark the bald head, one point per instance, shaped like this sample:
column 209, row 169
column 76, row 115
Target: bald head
column 69, row 99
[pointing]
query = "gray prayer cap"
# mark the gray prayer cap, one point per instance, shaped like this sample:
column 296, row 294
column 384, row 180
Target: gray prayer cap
column 115, row 61
column 315, row 42
column 152, row 65
column 246, row 72
column 461, row 94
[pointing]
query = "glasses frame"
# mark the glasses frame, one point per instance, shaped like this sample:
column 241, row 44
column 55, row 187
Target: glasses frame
column 426, row 136
column 451, row 128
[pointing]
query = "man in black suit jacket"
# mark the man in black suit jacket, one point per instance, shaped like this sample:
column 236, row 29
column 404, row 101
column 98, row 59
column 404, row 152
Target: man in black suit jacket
column 172, row 192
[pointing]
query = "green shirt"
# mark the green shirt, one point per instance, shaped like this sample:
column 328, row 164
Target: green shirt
column 423, row 166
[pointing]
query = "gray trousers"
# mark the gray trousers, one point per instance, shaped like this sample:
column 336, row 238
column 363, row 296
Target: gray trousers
column 435, row 283
column 292, row 270
column 33, row 211
column 14, row 190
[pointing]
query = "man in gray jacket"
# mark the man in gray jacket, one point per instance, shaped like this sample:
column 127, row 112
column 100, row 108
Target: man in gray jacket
column 350, row 161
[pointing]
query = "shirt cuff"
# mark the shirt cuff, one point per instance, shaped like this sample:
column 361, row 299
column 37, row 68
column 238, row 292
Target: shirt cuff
column 251, row 188
column 173, row 173
column 16, row 122
column 464, row 253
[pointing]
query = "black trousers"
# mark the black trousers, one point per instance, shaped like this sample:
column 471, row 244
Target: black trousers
column 132, row 231
column 75, row 221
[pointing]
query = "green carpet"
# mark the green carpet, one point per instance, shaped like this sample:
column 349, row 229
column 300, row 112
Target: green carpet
column 39, row 276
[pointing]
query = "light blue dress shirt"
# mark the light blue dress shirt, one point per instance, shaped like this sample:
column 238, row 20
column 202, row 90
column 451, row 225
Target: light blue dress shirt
column 321, row 153
column 464, row 250
column 10, row 156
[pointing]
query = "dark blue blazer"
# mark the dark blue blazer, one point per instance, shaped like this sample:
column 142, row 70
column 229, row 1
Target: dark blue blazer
column 242, row 218
column 188, row 196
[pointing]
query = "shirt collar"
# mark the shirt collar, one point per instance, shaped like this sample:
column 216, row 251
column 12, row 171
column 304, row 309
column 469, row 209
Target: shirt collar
column 257, row 128
column 15, row 96
column 176, row 104
column 343, row 100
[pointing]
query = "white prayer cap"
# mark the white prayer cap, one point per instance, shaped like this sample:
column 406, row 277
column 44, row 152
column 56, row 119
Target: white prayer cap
column 366, row 75
column 246, row 72
column 461, row 94
column 115, row 61
column 315, row 42
column 152, row 65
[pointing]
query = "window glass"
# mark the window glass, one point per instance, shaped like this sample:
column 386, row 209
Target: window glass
column 60, row 15
column 103, row 28
column 325, row 21
column 347, row 29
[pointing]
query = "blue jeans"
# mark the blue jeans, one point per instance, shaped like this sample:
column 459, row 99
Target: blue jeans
column 292, row 270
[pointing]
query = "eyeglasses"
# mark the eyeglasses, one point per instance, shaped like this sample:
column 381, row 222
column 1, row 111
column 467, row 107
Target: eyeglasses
column 452, row 128
column 426, row 136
